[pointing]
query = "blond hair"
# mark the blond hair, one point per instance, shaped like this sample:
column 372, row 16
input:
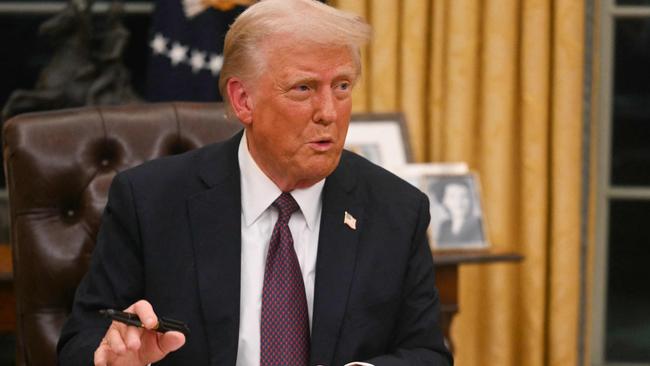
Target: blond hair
column 302, row 20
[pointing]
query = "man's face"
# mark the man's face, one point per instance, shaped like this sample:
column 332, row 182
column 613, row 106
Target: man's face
column 301, row 109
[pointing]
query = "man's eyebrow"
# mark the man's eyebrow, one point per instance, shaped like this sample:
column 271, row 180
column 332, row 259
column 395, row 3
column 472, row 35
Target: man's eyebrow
column 310, row 79
column 303, row 80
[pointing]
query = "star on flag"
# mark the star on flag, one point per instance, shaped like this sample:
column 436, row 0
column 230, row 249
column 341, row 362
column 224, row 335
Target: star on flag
column 159, row 44
column 178, row 53
column 197, row 61
column 216, row 62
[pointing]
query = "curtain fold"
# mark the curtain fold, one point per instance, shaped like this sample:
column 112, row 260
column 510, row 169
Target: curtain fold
column 566, row 172
column 413, row 70
column 534, row 179
column 384, row 66
column 497, row 84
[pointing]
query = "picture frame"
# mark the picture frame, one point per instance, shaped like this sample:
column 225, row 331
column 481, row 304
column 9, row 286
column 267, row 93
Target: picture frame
column 457, row 216
column 381, row 138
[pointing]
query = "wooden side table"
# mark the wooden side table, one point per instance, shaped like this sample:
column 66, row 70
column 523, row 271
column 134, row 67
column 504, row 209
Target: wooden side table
column 447, row 264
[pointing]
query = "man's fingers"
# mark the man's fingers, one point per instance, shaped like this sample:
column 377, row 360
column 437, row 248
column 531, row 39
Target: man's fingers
column 133, row 344
column 155, row 346
column 114, row 341
column 170, row 341
column 101, row 354
column 144, row 311
column 132, row 338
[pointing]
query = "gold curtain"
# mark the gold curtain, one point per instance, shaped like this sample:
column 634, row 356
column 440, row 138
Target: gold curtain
column 498, row 84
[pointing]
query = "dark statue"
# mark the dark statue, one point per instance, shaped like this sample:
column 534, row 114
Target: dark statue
column 86, row 68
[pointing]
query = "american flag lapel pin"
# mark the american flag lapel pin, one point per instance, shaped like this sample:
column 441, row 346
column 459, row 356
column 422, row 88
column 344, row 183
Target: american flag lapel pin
column 350, row 221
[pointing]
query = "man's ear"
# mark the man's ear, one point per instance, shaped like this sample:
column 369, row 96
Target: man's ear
column 240, row 100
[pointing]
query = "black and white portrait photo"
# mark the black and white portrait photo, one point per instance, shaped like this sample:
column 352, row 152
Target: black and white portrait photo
column 456, row 213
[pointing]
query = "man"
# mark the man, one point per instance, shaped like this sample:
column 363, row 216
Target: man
column 275, row 247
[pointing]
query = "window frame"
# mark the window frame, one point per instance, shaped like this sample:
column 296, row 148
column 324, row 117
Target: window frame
column 610, row 12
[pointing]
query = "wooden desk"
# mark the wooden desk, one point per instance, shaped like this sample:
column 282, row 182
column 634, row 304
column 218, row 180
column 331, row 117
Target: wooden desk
column 7, row 298
column 447, row 264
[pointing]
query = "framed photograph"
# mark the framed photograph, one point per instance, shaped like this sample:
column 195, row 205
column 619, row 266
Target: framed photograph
column 457, row 220
column 381, row 138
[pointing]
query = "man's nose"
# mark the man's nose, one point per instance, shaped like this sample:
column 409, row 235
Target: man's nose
column 325, row 108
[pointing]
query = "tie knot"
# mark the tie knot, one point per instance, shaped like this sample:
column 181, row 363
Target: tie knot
column 286, row 205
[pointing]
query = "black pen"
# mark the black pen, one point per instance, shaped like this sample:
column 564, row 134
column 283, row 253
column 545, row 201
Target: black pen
column 164, row 324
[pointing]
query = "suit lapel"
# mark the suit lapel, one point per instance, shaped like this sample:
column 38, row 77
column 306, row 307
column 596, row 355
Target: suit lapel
column 215, row 218
column 337, row 248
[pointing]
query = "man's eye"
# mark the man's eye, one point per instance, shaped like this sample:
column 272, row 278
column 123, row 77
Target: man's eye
column 302, row 88
column 343, row 87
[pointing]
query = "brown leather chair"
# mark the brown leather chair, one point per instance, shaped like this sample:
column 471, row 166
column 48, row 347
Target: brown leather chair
column 59, row 166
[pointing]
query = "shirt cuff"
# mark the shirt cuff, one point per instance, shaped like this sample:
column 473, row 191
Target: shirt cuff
column 358, row 364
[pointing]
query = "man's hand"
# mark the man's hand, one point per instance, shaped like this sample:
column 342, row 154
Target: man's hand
column 128, row 345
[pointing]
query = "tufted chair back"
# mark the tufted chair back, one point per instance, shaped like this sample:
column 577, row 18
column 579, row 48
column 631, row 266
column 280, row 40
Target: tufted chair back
column 59, row 166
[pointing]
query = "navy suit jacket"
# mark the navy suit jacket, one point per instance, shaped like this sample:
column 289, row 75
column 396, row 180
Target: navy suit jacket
column 170, row 234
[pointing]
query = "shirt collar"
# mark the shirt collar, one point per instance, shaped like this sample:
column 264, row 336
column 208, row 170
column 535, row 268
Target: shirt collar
column 259, row 192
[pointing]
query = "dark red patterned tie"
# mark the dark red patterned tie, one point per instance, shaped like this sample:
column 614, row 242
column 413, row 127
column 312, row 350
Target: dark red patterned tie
column 284, row 335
